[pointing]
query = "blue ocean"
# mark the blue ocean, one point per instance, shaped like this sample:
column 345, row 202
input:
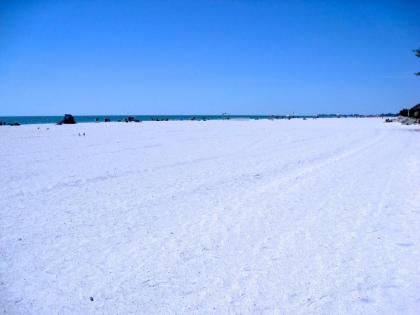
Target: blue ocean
column 25, row 120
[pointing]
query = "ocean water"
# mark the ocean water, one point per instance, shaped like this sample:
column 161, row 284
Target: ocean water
column 24, row 120
column 93, row 118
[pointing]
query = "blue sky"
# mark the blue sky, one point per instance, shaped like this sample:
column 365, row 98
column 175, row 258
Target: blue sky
column 208, row 57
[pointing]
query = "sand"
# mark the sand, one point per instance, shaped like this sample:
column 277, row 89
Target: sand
column 263, row 217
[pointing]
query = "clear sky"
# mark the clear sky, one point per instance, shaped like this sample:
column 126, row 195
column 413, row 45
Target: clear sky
column 208, row 57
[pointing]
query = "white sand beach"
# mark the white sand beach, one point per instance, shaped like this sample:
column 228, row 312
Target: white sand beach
column 264, row 217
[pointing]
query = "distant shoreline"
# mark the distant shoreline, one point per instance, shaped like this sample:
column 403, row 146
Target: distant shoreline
column 30, row 120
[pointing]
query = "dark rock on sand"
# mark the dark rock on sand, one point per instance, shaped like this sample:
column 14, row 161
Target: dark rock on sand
column 131, row 119
column 67, row 120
